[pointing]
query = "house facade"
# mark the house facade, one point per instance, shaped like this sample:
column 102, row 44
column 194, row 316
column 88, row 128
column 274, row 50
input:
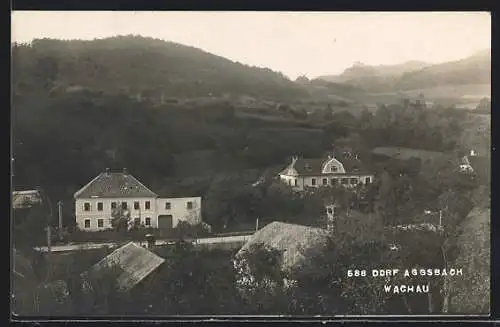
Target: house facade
column 111, row 191
column 330, row 171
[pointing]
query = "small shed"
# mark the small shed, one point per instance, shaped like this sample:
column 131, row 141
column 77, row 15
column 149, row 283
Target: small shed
column 133, row 263
column 296, row 243
column 26, row 199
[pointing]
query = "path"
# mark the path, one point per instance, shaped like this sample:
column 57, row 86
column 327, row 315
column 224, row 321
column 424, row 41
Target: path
column 92, row 246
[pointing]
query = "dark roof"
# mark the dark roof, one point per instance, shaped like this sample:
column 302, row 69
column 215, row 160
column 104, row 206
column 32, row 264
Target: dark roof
column 297, row 242
column 314, row 166
column 134, row 263
column 114, row 185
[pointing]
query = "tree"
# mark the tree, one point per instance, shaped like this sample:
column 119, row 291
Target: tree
column 261, row 279
column 386, row 204
column 121, row 221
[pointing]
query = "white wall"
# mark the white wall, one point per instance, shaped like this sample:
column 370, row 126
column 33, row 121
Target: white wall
column 105, row 214
column 179, row 209
column 307, row 181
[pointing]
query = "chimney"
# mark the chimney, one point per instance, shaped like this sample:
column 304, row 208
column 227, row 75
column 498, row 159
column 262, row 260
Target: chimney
column 107, row 171
column 125, row 171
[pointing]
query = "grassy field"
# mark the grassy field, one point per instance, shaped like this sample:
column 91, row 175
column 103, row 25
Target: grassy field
column 406, row 153
column 469, row 94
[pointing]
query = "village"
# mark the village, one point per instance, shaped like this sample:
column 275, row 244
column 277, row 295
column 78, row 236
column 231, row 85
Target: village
column 183, row 171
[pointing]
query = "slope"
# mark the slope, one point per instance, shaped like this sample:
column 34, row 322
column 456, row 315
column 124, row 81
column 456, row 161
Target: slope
column 147, row 67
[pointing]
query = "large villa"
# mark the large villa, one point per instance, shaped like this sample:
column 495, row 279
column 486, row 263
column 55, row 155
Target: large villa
column 330, row 171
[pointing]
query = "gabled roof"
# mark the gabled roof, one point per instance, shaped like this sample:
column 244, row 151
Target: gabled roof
column 296, row 241
column 314, row 166
column 114, row 185
column 133, row 262
column 26, row 199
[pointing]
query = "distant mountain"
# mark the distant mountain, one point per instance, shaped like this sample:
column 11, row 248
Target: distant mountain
column 360, row 70
column 475, row 69
column 142, row 66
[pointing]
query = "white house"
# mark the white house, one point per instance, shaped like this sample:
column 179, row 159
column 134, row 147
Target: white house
column 95, row 202
column 330, row 171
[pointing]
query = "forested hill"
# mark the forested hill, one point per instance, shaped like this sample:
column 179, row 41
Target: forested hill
column 141, row 66
column 475, row 69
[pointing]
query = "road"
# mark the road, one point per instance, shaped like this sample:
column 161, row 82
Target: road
column 92, row 246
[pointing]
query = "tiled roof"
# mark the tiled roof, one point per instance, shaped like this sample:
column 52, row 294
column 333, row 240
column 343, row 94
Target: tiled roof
column 134, row 263
column 114, row 185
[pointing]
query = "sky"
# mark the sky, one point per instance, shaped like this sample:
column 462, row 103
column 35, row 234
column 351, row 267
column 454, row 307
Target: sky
column 294, row 43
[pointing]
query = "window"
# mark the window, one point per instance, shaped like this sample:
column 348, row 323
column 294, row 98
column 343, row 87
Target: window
column 168, row 206
column 333, row 169
column 295, row 182
column 86, row 206
column 329, row 210
column 368, row 180
column 325, row 181
column 136, row 205
column 354, row 181
column 87, row 223
column 137, row 221
column 113, row 205
column 333, row 181
column 345, row 181
column 313, row 181
column 99, row 206
column 148, row 221
column 148, row 205
column 100, row 222
column 190, row 205
column 124, row 205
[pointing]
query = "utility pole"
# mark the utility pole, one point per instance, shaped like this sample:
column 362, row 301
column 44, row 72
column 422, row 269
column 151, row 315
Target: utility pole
column 49, row 250
column 59, row 207
column 440, row 219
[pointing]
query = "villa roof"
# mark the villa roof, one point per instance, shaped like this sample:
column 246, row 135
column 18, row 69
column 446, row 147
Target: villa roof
column 314, row 166
column 114, row 185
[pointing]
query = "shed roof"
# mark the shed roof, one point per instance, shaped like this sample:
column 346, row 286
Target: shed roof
column 26, row 199
column 134, row 263
column 114, row 185
column 297, row 242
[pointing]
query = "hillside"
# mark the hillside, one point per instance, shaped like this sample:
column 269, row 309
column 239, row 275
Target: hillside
column 412, row 75
column 470, row 293
column 143, row 67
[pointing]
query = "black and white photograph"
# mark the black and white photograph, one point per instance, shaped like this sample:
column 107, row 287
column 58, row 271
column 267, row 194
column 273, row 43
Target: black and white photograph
column 250, row 164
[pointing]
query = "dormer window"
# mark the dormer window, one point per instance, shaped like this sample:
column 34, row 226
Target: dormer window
column 307, row 167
